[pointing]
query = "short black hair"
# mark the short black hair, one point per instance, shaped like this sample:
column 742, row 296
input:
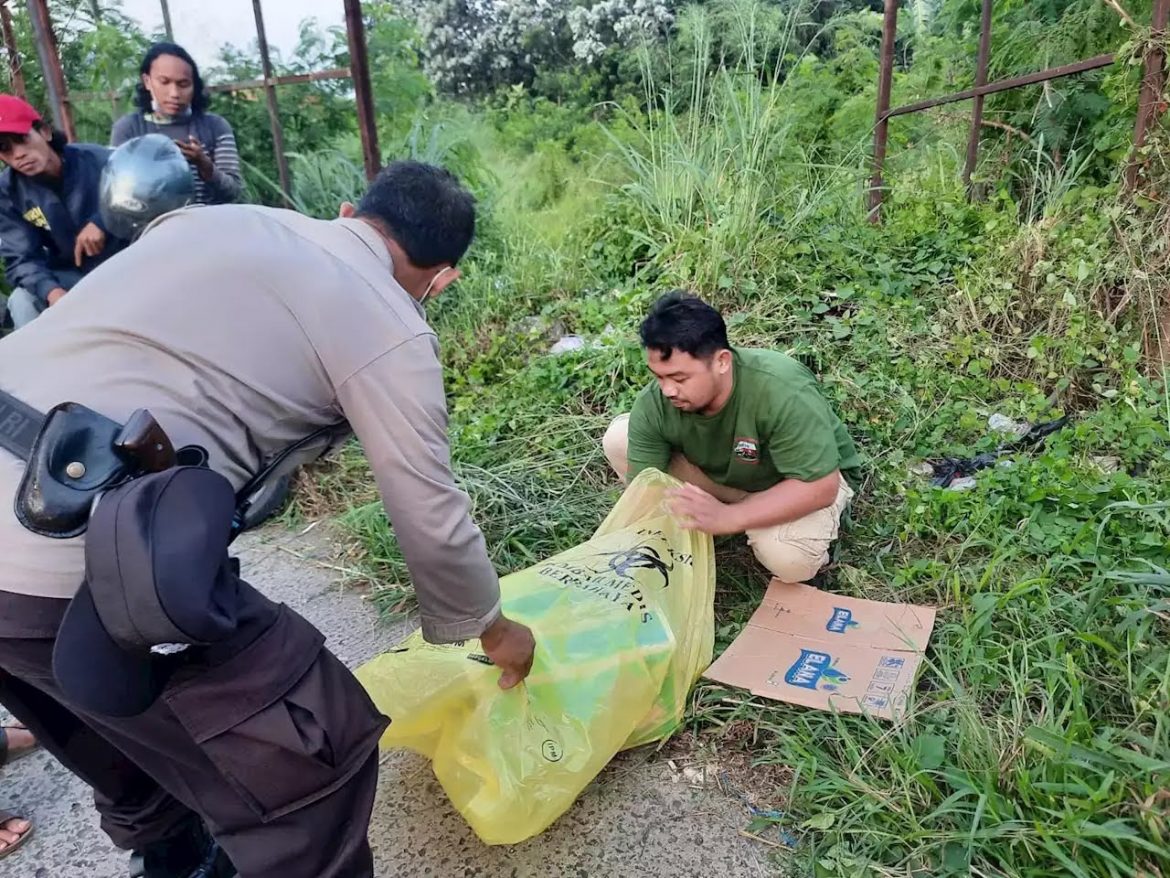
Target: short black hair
column 142, row 99
column 682, row 321
column 425, row 209
column 57, row 140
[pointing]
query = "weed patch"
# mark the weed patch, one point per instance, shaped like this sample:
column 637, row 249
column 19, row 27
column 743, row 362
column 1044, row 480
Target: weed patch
column 1037, row 742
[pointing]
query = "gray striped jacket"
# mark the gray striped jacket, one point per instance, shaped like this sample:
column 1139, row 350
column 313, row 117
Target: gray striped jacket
column 218, row 141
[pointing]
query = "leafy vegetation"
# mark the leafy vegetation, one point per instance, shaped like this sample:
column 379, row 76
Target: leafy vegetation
column 732, row 158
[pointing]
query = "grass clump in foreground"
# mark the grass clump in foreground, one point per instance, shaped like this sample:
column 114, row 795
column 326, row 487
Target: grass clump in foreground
column 1037, row 741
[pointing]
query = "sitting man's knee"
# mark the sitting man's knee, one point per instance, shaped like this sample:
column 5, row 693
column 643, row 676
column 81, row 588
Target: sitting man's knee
column 790, row 561
column 615, row 443
column 23, row 307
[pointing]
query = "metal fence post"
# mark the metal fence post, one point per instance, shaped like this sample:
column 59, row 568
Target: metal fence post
column 882, row 124
column 977, row 109
column 1150, row 96
column 38, row 12
column 14, row 62
column 273, row 107
column 359, row 64
column 166, row 14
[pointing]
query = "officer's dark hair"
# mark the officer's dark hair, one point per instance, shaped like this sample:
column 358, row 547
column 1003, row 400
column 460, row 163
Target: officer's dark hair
column 681, row 321
column 142, row 98
column 425, row 209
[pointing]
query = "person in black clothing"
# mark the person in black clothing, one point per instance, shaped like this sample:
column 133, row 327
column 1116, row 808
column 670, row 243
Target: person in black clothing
column 51, row 233
column 172, row 101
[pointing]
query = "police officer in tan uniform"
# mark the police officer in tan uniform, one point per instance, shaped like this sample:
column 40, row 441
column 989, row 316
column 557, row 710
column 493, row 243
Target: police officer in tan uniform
column 326, row 326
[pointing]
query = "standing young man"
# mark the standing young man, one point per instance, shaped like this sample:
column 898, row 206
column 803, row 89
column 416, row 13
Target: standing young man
column 50, row 231
column 267, row 739
column 172, row 100
column 747, row 430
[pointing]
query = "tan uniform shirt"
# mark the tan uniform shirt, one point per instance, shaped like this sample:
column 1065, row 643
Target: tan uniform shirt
column 243, row 329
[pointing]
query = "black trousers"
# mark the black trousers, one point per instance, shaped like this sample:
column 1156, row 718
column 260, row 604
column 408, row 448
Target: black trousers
column 269, row 739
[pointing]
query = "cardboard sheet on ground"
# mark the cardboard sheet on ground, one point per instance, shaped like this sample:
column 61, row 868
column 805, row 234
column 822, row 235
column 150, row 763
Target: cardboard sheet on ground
column 827, row 651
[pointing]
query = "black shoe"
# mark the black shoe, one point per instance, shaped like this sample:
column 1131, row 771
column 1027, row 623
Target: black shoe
column 216, row 865
column 190, row 853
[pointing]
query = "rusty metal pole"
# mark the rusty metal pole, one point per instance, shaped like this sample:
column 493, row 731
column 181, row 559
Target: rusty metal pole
column 359, row 64
column 273, row 107
column 38, row 13
column 14, row 63
column 881, row 129
column 166, row 14
column 977, row 109
column 1150, row 96
column 1047, row 75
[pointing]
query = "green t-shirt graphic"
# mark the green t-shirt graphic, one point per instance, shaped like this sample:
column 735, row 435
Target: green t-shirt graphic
column 775, row 426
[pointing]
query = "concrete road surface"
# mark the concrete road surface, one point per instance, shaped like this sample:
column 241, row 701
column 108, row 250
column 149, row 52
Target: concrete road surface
column 638, row 819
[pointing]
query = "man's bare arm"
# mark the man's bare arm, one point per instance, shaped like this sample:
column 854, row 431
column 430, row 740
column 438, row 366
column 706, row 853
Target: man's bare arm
column 788, row 501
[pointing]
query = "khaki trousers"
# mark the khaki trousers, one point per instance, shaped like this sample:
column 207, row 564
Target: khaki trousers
column 792, row 552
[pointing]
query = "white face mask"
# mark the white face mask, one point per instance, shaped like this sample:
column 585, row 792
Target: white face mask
column 431, row 285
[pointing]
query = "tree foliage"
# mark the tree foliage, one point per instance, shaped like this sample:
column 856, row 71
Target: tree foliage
column 474, row 47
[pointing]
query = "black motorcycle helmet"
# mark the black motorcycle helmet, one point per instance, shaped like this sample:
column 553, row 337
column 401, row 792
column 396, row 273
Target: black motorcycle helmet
column 143, row 179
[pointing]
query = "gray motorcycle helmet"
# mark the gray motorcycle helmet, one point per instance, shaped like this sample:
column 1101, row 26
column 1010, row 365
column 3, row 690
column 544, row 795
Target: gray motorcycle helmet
column 143, row 179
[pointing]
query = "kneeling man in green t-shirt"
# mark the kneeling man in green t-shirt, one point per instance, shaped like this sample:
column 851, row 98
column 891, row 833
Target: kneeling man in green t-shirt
column 747, row 430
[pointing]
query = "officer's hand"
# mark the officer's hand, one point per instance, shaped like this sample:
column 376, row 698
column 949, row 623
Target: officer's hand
column 90, row 242
column 510, row 646
column 55, row 295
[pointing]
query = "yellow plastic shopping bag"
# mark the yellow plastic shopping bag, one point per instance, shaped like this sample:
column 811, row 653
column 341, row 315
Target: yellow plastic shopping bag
column 624, row 626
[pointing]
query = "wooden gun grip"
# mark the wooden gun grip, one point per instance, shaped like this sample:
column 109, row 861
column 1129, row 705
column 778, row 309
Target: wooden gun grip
column 144, row 442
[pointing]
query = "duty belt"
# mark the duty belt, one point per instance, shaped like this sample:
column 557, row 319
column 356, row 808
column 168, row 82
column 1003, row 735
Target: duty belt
column 73, row 454
column 19, row 426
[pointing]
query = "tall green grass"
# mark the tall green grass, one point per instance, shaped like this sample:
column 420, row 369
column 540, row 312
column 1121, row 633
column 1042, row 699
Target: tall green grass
column 715, row 170
column 1036, row 743
column 320, row 181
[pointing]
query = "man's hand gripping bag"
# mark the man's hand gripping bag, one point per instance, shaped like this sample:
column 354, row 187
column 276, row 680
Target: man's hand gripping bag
column 624, row 626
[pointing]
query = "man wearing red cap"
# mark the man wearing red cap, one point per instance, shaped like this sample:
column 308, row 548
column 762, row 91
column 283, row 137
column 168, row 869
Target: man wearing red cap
column 50, row 229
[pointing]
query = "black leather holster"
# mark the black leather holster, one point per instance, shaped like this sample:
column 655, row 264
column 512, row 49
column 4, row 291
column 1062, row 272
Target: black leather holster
column 77, row 455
